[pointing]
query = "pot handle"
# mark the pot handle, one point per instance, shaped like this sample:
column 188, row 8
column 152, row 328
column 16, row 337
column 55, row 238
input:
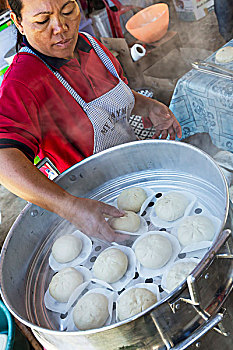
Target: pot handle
column 213, row 251
column 211, row 254
column 200, row 332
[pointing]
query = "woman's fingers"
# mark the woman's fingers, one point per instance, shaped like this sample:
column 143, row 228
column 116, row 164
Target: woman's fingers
column 109, row 210
column 98, row 227
column 177, row 127
column 107, row 232
column 164, row 134
column 172, row 133
column 90, row 218
column 156, row 134
column 164, row 121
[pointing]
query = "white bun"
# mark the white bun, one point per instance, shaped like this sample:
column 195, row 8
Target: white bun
column 64, row 283
column 178, row 273
column 66, row 248
column 224, row 55
column 194, row 229
column 171, row 206
column 153, row 251
column 110, row 265
column 91, row 311
column 134, row 301
column 131, row 199
column 130, row 222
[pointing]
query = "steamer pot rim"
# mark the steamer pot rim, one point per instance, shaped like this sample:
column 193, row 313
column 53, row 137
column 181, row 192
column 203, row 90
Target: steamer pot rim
column 153, row 307
column 141, row 142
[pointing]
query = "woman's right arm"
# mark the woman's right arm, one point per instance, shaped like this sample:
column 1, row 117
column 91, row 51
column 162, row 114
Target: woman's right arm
column 22, row 178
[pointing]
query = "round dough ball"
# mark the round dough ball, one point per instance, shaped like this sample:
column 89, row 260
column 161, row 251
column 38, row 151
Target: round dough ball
column 66, row 248
column 64, row 283
column 134, row 301
column 178, row 273
column 224, row 55
column 195, row 228
column 130, row 222
column 131, row 199
column 153, row 251
column 110, row 265
column 171, row 206
column 91, row 311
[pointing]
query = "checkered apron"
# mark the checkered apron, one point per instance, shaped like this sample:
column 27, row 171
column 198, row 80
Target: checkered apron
column 109, row 113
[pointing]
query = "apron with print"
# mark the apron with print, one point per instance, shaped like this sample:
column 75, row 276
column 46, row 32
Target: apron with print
column 109, row 113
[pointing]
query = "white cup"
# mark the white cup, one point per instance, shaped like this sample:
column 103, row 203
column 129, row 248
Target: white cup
column 137, row 51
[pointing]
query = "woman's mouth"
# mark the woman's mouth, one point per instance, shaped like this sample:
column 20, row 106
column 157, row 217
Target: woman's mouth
column 63, row 44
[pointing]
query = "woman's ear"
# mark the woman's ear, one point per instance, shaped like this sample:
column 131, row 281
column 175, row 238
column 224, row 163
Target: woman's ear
column 17, row 22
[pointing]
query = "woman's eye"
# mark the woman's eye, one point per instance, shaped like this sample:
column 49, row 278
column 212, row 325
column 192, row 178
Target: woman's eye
column 68, row 13
column 46, row 20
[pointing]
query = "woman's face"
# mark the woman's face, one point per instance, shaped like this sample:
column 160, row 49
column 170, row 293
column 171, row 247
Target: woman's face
column 50, row 26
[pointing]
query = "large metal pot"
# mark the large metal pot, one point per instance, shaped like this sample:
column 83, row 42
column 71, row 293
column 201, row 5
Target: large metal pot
column 177, row 321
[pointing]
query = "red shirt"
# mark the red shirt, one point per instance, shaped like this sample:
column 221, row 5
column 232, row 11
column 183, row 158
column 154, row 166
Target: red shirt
column 40, row 117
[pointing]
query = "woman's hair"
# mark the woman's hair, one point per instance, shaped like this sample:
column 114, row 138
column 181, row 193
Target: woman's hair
column 16, row 7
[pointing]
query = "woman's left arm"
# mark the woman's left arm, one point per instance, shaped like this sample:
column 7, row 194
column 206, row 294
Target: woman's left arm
column 156, row 114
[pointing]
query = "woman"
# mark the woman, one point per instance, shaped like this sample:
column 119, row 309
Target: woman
column 65, row 97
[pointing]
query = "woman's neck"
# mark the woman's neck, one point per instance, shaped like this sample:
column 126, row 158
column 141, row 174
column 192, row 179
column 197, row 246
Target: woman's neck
column 76, row 55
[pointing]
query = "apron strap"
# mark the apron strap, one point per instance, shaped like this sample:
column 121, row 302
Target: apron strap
column 66, row 85
column 102, row 55
column 99, row 51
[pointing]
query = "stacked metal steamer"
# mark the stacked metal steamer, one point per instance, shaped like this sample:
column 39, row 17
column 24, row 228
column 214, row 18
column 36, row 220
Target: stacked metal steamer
column 196, row 314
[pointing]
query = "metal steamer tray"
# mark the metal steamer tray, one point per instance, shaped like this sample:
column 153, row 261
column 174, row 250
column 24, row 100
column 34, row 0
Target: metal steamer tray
column 180, row 318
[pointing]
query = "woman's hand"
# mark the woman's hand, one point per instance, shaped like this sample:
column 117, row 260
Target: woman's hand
column 157, row 114
column 163, row 120
column 88, row 215
column 21, row 177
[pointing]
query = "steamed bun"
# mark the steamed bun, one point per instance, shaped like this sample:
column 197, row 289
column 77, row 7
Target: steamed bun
column 194, row 229
column 91, row 311
column 131, row 199
column 130, row 222
column 153, row 251
column 64, row 283
column 110, row 265
column 178, row 273
column 171, row 206
column 224, row 55
column 66, row 248
column 134, row 301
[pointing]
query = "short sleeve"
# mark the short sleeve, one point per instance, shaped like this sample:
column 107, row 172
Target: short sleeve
column 19, row 118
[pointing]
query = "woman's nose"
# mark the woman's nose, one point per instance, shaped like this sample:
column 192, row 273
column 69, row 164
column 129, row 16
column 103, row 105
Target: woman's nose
column 59, row 25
